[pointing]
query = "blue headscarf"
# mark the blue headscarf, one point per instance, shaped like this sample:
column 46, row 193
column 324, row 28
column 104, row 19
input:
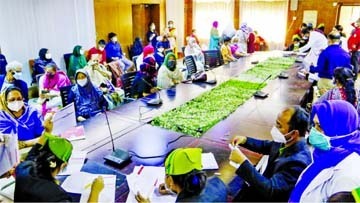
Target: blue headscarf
column 336, row 117
column 88, row 91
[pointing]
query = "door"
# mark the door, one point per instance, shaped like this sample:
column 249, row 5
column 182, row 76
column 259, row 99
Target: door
column 142, row 16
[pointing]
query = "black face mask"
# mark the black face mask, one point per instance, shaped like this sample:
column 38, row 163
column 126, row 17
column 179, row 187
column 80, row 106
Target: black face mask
column 171, row 65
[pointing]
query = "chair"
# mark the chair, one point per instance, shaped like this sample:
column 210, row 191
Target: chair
column 64, row 94
column 213, row 58
column 134, row 58
column 67, row 60
column 127, row 83
column 190, row 65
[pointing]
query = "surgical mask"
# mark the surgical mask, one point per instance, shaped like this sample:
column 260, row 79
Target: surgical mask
column 17, row 75
column 82, row 82
column 114, row 39
column 48, row 56
column 101, row 48
column 305, row 38
column 171, row 65
column 296, row 44
column 161, row 49
column 15, row 105
column 277, row 135
column 319, row 140
column 82, row 52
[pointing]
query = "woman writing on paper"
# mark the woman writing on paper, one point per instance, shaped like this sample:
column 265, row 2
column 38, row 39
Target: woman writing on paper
column 35, row 177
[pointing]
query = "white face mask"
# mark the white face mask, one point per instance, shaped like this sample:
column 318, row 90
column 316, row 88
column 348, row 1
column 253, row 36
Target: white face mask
column 114, row 39
column 17, row 75
column 15, row 105
column 48, row 56
column 82, row 82
column 160, row 49
column 82, row 52
column 277, row 135
column 101, row 48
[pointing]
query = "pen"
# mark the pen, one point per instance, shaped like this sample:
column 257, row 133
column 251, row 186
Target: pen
column 140, row 170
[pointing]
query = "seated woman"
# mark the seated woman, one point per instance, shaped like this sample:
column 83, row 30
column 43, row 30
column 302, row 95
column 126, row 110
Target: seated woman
column 145, row 79
column 18, row 117
column 88, row 99
column 295, row 44
column 35, row 177
column 137, row 47
column 344, row 88
column 159, row 54
column 49, row 87
column 226, row 51
column 193, row 49
column 41, row 62
column 13, row 77
column 169, row 74
column 336, row 159
column 77, row 61
column 235, row 50
column 184, row 177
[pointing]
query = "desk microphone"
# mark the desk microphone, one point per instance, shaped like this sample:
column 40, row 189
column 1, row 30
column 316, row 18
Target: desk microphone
column 261, row 94
column 157, row 100
column 118, row 156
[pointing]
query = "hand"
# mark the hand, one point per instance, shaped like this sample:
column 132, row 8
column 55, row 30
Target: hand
column 80, row 118
column 237, row 156
column 140, row 198
column 163, row 190
column 98, row 184
column 238, row 140
column 48, row 123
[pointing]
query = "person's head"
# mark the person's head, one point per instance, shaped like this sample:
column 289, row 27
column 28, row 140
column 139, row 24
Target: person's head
column 170, row 61
column 305, row 33
column 101, row 45
column 81, row 78
column 78, row 51
column 310, row 26
column 148, row 50
column 50, row 70
column 215, row 24
column 193, row 31
column 226, row 40
column 13, row 71
column 235, row 40
column 170, row 24
column 334, row 37
column 344, row 196
column 291, row 124
column 160, row 47
column 191, row 41
column 152, row 26
column 340, row 29
column 303, row 26
column 112, row 37
column 53, row 157
column 334, row 122
column 357, row 22
column 13, row 100
column 321, row 27
column 44, row 54
column 296, row 39
column 183, row 171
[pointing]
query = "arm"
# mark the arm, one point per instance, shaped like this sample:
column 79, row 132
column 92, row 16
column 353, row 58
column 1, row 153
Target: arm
column 322, row 63
column 309, row 44
column 259, row 146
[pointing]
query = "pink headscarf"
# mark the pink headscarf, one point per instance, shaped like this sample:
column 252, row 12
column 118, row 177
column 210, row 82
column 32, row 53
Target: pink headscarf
column 60, row 79
column 215, row 24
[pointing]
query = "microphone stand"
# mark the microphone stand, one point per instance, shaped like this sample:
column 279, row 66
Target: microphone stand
column 156, row 101
column 261, row 94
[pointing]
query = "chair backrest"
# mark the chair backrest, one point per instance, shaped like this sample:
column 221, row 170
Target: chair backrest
column 134, row 58
column 127, row 82
column 213, row 58
column 64, row 93
column 31, row 65
column 190, row 65
column 67, row 60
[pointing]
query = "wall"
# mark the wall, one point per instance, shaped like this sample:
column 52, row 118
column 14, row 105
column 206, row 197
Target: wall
column 28, row 25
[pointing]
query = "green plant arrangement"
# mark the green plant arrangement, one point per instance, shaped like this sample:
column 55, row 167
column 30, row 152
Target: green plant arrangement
column 200, row 114
column 273, row 66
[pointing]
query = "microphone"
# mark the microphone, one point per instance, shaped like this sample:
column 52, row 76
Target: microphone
column 283, row 75
column 213, row 81
column 118, row 156
column 260, row 94
column 157, row 100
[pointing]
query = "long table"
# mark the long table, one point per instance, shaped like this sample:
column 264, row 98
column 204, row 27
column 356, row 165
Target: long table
column 131, row 129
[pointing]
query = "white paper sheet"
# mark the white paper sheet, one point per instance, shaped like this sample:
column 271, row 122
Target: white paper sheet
column 75, row 163
column 9, row 152
column 81, row 183
column 7, row 187
column 147, row 181
column 208, row 161
column 64, row 119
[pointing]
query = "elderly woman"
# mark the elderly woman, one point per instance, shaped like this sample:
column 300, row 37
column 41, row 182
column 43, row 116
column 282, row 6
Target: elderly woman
column 18, row 117
column 336, row 161
column 49, row 87
column 41, row 62
column 13, row 78
column 88, row 99
column 184, row 177
column 77, row 61
column 193, row 49
column 36, row 176
column 169, row 74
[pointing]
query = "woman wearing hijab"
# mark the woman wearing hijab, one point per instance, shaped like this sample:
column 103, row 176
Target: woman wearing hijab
column 49, row 87
column 251, row 41
column 88, row 99
column 151, row 35
column 77, row 61
column 184, row 177
column 159, row 54
column 36, row 176
column 242, row 34
column 193, row 49
column 18, row 117
column 169, row 74
column 41, row 62
column 336, row 161
column 137, row 47
column 214, row 36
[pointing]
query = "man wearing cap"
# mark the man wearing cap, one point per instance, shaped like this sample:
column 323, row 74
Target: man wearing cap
column 13, row 78
column 184, row 177
column 354, row 46
column 35, row 177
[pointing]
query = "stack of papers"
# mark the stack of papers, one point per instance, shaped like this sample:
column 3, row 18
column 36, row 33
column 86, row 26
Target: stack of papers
column 75, row 163
column 81, row 183
column 146, row 180
column 74, row 133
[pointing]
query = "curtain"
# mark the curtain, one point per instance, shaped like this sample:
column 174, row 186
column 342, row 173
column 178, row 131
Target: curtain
column 205, row 12
column 59, row 25
column 269, row 18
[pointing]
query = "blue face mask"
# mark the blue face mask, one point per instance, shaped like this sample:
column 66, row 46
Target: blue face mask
column 319, row 140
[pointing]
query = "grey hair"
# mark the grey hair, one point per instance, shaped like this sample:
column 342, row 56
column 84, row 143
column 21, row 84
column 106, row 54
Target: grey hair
column 13, row 65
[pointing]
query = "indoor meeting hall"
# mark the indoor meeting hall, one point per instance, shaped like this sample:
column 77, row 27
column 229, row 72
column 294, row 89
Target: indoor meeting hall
column 143, row 101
